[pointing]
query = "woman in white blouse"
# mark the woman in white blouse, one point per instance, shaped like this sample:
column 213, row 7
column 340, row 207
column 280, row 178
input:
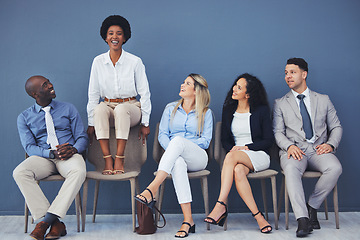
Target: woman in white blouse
column 185, row 132
column 246, row 134
column 117, row 77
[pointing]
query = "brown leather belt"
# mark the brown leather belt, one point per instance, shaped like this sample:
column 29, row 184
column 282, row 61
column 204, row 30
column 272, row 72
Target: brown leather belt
column 120, row 100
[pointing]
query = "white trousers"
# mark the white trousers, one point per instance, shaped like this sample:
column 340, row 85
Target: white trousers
column 35, row 168
column 182, row 156
column 121, row 115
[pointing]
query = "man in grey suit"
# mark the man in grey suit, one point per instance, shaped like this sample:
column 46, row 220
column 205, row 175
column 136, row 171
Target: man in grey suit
column 307, row 131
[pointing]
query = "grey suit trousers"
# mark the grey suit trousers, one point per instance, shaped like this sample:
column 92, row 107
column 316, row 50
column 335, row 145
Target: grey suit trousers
column 327, row 164
column 35, row 168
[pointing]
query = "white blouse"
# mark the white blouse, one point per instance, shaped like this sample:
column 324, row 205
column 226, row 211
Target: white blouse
column 126, row 79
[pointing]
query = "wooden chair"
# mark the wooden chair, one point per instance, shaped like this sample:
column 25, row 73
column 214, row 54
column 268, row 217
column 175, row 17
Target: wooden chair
column 309, row 174
column 219, row 155
column 135, row 157
column 158, row 151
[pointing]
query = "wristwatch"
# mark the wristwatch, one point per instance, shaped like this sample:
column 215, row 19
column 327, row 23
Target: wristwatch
column 52, row 154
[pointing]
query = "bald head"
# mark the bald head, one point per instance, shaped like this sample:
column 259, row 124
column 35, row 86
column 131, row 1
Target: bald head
column 41, row 89
column 32, row 84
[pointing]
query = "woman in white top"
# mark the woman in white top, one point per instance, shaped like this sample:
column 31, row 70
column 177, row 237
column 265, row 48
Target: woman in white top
column 117, row 77
column 246, row 134
column 185, row 132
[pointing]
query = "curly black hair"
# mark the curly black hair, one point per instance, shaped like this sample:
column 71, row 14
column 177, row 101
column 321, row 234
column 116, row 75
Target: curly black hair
column 118, row 21
column 254, row 88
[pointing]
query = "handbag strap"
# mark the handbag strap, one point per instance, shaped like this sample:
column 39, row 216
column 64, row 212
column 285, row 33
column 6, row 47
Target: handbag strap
column 161, row 216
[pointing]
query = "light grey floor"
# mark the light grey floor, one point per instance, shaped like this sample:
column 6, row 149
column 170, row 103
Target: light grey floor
column 240, row 226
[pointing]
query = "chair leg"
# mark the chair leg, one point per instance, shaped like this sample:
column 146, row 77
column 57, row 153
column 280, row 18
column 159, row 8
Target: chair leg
column 132, row 187
column 273, row 189
column 160, row 195
column 26, row 213
column 326, row 209
column 205, row 192
column 96, row 196
column 78, row 209
column 281, row 196
column 225, row 223
column 263, row 191
column 84, row 203
column 286, row 206
column 137, row 185
column 336, row 207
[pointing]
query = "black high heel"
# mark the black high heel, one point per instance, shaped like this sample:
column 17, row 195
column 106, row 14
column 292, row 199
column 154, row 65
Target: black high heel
column 221, row 219
column 191, row 230
column 146, row 202
column 268, row 226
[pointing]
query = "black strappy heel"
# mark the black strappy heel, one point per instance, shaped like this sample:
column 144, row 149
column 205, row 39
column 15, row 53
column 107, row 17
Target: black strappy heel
column 191, row 230
column 146, row 202
column 221, row 219
column 268, row 226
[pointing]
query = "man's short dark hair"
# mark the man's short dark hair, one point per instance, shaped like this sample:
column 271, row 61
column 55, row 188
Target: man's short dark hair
column 117, row 21
column 299, row 62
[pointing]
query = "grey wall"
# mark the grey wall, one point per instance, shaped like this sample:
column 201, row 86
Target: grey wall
column 218, row 39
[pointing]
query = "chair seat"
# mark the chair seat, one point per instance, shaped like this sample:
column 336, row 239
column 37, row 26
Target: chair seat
column 197, row 174
column 117, row 177
column 263, row 174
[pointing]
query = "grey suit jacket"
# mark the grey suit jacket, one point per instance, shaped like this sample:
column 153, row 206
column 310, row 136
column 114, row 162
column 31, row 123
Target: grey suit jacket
column 287, row 122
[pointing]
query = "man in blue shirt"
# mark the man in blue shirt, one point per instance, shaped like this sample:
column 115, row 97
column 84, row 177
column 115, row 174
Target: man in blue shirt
column 46, row 158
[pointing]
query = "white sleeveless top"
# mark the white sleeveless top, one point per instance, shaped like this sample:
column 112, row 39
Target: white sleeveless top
column 240, row 127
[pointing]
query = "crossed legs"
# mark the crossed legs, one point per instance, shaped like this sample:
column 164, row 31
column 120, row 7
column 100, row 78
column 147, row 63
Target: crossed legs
column 236, row 167
column 181, row 156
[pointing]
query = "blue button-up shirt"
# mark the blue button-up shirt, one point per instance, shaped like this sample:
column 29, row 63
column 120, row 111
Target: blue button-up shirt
column 69, row 128
column 184, row 125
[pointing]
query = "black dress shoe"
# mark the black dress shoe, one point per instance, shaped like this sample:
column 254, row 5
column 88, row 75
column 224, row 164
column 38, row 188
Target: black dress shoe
column 313, row 217
column 304, row 227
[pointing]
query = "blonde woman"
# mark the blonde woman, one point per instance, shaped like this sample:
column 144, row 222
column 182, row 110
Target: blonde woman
column 185, row 132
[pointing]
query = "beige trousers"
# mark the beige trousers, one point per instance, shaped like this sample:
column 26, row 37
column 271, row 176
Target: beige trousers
column 35, row 168
column 121, row 115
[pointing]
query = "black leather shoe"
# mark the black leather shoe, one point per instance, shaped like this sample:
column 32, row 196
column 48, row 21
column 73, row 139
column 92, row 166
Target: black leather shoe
column 313, row 217
column 304, row 227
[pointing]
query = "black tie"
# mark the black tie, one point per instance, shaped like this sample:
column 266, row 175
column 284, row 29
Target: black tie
column 305, row 117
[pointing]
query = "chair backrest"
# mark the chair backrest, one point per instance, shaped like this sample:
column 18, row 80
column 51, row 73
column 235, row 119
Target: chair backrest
column 219, row 151
column 158, row 151
column 135, row 151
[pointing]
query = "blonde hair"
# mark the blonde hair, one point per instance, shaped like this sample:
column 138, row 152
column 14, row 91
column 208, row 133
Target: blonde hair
column 202, row 100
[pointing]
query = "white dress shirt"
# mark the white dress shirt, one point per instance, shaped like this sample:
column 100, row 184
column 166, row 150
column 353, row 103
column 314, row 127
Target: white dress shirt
column 126, row 79
column 307, row 103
